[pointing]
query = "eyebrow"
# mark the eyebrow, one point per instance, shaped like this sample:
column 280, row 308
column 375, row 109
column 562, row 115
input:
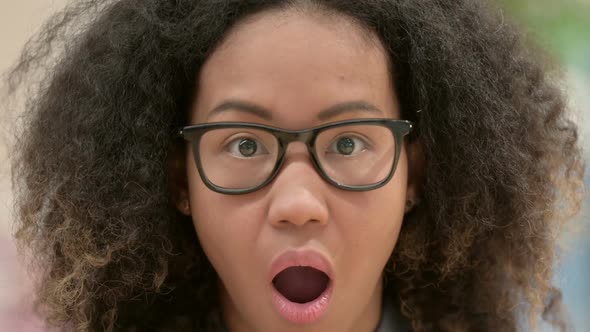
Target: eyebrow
column 261, row 112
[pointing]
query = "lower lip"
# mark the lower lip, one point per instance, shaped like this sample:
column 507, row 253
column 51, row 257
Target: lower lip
column 302, row 313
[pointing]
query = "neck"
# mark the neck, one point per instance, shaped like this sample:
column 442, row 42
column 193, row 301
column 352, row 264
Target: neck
column 368, row 320
column 233, row 321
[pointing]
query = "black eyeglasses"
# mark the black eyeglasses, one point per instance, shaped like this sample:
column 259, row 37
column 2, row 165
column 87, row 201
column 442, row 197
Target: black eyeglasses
column 239, row 157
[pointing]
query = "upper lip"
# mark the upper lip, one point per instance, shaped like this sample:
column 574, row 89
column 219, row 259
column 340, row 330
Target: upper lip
column 300, row 257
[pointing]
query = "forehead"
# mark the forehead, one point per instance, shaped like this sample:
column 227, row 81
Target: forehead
column 295, row 64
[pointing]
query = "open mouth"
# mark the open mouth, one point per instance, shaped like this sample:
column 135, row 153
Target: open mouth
column 301, row 284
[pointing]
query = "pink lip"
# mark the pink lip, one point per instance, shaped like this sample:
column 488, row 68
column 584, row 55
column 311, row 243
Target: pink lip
column 301, row 313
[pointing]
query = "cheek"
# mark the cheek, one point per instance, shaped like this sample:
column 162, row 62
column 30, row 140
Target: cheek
column 377, row 227
column 226, row 227
column 388, row 210
column 372, row 229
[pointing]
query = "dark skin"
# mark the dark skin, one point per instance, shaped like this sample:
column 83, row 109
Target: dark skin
column 96, row 202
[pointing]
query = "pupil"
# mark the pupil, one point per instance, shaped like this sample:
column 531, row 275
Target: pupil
column 247, row 147
column 345, row 145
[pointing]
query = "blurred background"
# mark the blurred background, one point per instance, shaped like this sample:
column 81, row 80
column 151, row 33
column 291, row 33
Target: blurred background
column 562, row 27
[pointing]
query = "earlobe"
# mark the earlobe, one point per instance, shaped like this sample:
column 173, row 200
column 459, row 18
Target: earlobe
column 410, row 204
column 177, row 180
column 182, row 200
column 183, row 205
column 416, row 170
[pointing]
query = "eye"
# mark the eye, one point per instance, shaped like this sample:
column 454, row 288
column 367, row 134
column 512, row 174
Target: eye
column 348, row 145
column 245, row 147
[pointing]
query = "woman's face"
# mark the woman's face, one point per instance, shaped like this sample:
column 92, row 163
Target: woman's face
column 295, row 65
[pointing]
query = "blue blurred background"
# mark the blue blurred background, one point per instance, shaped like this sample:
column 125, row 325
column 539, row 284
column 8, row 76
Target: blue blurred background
column 563, row 27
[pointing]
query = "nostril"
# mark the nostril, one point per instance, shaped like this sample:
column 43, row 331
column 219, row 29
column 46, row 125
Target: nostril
column 300, row 222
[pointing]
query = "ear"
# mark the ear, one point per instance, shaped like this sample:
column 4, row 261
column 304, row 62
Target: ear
column 177, row 179
column 416, row 170
column 183, row 204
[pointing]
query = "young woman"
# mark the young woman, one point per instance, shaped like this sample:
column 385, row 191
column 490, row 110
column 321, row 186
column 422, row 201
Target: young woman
column 371, row 165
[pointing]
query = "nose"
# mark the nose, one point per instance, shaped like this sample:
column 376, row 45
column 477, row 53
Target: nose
column 297, row 194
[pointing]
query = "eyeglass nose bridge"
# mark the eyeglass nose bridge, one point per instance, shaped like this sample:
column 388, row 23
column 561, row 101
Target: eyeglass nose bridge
column 303, row 136
column 306, row 136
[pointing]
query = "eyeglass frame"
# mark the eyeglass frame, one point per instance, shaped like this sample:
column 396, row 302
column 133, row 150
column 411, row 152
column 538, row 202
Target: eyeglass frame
column 194, row 133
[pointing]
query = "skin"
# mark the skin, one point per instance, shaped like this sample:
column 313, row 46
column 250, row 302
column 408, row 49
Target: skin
column 295, row 64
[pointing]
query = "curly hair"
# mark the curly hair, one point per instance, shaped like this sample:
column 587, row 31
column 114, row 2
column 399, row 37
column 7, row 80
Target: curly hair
column 96, row 157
